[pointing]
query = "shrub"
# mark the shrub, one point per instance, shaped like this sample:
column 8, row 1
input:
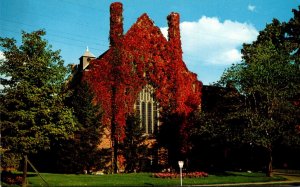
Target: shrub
column 9, row 161
column 10, row 178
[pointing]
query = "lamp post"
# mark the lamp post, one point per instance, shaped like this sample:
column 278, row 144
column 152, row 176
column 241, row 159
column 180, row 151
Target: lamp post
column 180, row 163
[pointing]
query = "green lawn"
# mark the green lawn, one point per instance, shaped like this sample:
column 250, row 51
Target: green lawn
column 144, row 179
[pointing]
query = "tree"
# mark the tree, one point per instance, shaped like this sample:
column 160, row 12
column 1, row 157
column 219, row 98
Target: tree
column 33, row 113
column 135, row 149
column 292, row 29
column 170, row 136
column 81, row 152
column 215, row 134
column 269, row 79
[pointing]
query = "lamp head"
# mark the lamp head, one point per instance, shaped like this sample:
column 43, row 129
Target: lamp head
column 180, row 163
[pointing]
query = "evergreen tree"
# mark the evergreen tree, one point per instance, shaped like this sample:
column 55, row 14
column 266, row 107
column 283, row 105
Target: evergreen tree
column 135, row 148
column 81, row 152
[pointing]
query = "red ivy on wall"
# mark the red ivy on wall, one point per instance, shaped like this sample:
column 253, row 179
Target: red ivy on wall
column 142, row 56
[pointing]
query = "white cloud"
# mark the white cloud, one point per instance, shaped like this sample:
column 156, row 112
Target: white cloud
column 251, row 7
column 210, row 41
column 2, row 57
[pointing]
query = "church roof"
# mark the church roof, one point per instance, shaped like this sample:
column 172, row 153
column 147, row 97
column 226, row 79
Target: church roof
column 144, row 23
column 87, row 53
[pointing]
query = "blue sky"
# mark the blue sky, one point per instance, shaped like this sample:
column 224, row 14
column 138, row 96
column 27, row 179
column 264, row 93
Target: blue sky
column 212, row 32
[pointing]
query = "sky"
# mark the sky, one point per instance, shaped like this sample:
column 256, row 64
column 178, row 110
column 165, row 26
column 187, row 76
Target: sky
column 212, row 31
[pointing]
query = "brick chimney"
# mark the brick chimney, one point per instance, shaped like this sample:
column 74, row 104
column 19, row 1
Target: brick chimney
column 174, row 33
column 116, row 23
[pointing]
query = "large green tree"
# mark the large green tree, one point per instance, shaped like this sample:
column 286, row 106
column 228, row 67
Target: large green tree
column 269, row 80
column 32, row 112
column 81, row 152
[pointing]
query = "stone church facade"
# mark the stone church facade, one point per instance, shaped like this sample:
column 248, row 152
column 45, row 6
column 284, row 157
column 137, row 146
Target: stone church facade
column 142, row 72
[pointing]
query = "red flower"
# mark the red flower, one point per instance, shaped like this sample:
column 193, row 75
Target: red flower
column 196, row 174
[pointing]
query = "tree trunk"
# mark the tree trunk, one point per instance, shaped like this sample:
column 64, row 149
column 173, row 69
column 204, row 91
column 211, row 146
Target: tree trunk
column 113, row 132
column 269, row 164
column 112, row 158
column 24, row 182
column 114, row 151
column 116, row 157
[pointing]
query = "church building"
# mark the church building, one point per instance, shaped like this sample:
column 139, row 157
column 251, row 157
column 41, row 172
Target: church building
column 142, row 72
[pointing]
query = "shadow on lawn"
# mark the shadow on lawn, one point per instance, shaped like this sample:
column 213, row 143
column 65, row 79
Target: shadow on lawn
column 148, row 184
column 233, row 173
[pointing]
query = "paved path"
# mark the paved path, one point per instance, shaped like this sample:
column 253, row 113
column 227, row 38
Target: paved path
column 289, row 176
column 293, row 180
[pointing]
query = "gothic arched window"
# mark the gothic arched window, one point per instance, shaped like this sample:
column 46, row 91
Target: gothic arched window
column 147, row 108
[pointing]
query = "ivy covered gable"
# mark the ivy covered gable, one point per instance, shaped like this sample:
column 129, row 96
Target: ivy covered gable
column 142, row 56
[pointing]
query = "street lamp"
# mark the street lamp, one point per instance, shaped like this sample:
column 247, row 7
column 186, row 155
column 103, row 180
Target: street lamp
column 180, row 163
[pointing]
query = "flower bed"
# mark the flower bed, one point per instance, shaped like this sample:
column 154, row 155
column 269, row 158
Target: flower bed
column 196, row 174
column 10, row 178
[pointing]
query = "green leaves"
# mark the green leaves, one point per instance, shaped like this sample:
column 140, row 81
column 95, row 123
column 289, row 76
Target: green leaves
column 81, row 151
column 135, row 148
column 33, row 112
column 269, row 80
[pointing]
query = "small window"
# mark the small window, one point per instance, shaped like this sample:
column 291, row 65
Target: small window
column 194, row 87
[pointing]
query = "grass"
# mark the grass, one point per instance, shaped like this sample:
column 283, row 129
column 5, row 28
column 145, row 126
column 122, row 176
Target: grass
column 145, row 179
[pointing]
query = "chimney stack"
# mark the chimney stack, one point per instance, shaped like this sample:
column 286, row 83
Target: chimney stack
column 116, row 23
column 174, row 33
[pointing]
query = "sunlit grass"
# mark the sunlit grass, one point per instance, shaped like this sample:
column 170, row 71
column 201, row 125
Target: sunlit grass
column 145, row 179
